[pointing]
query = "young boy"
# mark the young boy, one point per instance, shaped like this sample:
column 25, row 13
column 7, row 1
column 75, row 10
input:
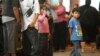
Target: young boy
column 75, row 32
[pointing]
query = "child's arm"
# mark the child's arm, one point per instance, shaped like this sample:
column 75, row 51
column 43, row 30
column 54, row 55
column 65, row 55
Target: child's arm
column 70, row 26
column 70, row 31
column 42, row 17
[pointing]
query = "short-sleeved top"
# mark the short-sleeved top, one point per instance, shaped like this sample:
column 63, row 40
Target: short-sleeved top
column 76, row 29
column 25, row 5
column 43, row 24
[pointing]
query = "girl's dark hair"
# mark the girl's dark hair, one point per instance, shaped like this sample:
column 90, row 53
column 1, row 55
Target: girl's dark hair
column 41, row 1
column 42, row 5
column 76, row 10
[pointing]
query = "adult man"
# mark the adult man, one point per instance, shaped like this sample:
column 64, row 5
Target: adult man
column 89, row 22
column 30, row 10
column 10, row 16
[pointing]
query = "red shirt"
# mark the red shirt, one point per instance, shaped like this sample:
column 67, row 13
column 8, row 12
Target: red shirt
column 43, row 24
column 61, row 13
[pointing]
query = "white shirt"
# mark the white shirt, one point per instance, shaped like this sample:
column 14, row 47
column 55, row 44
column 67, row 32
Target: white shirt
column 25, row 5
column 7, row 19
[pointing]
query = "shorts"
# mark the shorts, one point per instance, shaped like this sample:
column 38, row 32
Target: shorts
column 9, row 33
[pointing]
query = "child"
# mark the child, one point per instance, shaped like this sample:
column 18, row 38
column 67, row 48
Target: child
column 43, row 31
column 75, row 32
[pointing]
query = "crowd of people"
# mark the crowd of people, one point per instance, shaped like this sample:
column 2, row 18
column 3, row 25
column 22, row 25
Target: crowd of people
column 45, row 26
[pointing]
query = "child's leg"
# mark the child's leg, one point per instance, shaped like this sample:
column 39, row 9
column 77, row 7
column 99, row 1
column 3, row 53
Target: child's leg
column 73, row 52
column 50, row 48
column 76, row 49
column 43, row 44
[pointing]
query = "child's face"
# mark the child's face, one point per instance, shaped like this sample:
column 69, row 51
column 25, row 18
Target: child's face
column 76, row 14
column 43, row 9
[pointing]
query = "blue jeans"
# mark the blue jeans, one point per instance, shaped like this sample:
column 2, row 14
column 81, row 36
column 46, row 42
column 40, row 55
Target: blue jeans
column 75, row 51
column 30, row 42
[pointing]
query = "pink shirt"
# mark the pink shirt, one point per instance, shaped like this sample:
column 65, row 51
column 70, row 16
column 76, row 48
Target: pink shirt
column 61, row 13
column 43, row 24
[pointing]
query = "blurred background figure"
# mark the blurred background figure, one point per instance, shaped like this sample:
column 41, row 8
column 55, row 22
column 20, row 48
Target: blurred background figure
column 89, row 22
column 10, row 18
column 98, row 36
column 1, row 31
column 60, row 37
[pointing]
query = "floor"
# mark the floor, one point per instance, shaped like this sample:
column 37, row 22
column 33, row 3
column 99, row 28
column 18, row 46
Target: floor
column 87, row 52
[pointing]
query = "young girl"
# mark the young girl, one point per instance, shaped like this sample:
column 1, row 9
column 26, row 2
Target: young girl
column 43, row 31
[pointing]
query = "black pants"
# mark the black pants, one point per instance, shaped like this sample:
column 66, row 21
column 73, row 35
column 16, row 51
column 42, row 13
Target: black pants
column 1, row 41
column 60, row 34
column 50, row 47
column 30, row 42
column 43, row 44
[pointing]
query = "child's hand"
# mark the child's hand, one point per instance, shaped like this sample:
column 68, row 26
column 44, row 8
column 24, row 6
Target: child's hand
column 49, row 36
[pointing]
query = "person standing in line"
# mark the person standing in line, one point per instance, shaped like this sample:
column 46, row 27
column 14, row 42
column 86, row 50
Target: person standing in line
column 52, row 6
column 43, row 32
column 89, row 20
column 61, row 27
column 10, row 18
column 75, row 32
column 30, row 10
